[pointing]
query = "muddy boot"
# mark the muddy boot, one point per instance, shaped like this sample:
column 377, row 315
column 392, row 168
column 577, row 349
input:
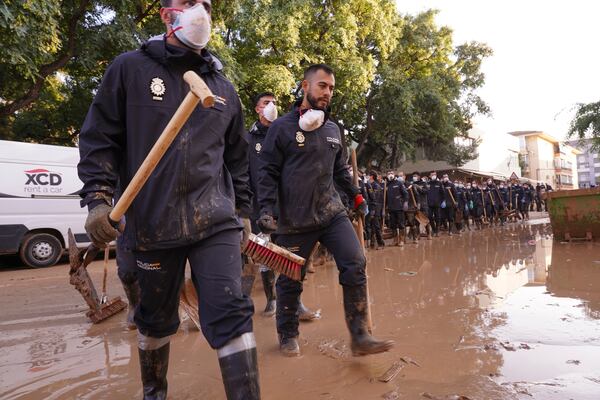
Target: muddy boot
column 402, row 237
column 305, row 313
column 132, row 291
column 396, row 239
column 154, row 365
column 355, row 308
column 289, row 347
column 415, row 234
column 428, row 230
column 450, row 229
column 268, row 279
column 239, row 368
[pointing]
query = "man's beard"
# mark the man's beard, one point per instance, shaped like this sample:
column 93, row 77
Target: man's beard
column 314, row 103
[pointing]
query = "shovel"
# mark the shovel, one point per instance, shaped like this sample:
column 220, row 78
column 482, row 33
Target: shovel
column 80, row 259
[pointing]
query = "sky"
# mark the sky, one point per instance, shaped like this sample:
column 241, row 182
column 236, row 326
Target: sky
column 546, row 57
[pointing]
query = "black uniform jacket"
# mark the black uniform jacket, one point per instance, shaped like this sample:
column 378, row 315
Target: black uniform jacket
column 298, row 169
column 256, row 137
column 203, row 177
column 436, row 193
column 396, row 195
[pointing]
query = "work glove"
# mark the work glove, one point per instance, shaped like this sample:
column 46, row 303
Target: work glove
column 98, row 226
column 246, row 231
column 360, row 204
column 267, row 224
column 405, row 206
column 443, row 205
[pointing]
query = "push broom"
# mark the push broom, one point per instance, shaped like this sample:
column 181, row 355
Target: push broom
column 100, row 309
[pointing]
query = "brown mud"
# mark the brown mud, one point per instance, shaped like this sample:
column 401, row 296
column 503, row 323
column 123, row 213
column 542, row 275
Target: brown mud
column 502, row 313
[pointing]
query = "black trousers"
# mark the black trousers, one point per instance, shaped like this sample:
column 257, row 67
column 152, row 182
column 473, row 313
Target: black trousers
column 126, row 267
column 341, row 241
column 225, row 313
column 397, row 220
column 375, row 227
column 435, row 218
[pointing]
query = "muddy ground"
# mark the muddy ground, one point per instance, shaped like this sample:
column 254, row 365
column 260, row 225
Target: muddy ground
column 504, row 313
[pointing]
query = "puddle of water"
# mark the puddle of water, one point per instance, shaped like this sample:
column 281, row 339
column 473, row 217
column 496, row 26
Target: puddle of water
column 551, row 303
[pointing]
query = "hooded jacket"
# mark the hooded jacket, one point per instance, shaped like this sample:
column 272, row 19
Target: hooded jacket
column 203, row 177
column 298, row 173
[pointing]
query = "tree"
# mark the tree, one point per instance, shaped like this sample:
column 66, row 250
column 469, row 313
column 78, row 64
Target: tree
column 400, row 83
column 586, row 123
column 423, row 97
column 54, row 53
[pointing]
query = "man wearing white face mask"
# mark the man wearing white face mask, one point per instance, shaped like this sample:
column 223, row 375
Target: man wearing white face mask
column 265, row 108
column 190, row 210
column 302, row 157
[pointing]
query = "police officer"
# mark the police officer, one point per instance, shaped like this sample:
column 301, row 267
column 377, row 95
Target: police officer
column 397, row 203
column 413, row 193
column 302, row 156
column 478, row 204
column 266, row 109
column 375, row 200
column 526, row 201
column 503, row 201
column 435, row 197
column 450, row 203
column 461, row 202
column 189, row 209
column 422, row 188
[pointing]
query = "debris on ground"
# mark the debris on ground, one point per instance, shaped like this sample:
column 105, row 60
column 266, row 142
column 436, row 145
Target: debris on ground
column 574, row 362
column 392, row 372
column 447, row 397
column 407, row 273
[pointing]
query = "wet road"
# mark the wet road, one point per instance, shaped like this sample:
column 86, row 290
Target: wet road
column 500, row 314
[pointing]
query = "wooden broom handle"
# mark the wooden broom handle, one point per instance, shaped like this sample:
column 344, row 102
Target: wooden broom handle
column 199, row 92
column 361, row 236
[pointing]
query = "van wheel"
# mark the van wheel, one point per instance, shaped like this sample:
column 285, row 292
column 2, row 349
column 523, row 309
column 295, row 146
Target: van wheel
column 40, row 250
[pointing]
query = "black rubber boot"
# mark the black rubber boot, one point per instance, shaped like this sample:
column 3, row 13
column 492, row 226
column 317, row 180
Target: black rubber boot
column 240, row 375
column 289, row 347
column 132, row 291
column 268, row 279
column 154, row 365
column 305, row 313
column 355, row 307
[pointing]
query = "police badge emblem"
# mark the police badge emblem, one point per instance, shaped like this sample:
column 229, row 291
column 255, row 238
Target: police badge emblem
column 258, row 147
column 300, row 138
column 157, row 88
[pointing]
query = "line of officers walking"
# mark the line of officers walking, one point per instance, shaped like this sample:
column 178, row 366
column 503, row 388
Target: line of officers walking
column 407, row 204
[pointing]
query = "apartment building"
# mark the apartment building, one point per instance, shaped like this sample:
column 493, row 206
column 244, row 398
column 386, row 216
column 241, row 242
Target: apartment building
column 588, row 163
column 543, row 158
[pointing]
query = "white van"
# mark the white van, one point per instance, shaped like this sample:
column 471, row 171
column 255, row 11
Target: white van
column 39, row 201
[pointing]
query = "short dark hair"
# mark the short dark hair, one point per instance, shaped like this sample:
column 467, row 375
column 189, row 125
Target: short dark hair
column 308, row 72
column 259, row 96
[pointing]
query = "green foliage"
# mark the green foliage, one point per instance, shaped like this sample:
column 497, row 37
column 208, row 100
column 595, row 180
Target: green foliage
column 401, row 84
column 586, row 123
column 425, row 97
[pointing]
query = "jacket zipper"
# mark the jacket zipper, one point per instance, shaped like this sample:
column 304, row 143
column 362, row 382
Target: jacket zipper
column 184, row 214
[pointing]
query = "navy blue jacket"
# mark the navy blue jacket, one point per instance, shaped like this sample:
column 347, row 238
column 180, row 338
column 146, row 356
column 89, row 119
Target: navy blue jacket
column 298, row 173
column 436, row 193
column 203, row 177
column 396, row 195
column 256, row 137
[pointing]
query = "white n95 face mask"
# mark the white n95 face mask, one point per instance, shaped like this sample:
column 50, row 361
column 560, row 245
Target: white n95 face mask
column 311, row 120
column 192, row 26
column 270, row 112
